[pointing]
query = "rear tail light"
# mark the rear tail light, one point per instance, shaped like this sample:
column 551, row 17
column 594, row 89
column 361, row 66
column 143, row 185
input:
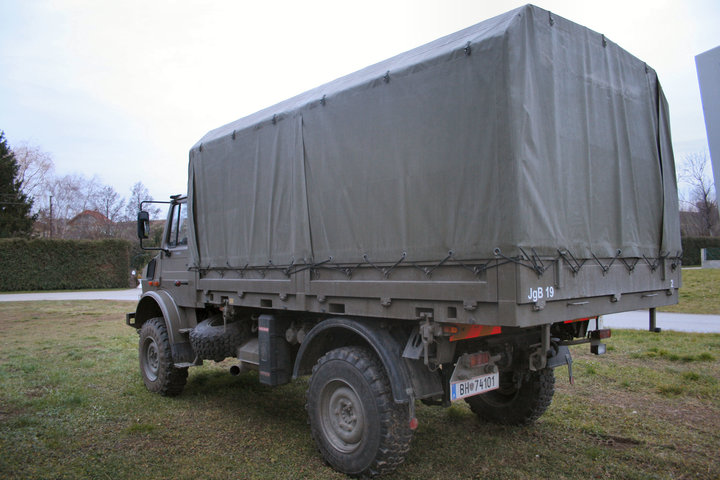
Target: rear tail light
column 577, row 320
column 600, row 334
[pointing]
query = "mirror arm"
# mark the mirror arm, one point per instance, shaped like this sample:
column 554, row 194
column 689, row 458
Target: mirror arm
column 144, row 227
column 149, row 249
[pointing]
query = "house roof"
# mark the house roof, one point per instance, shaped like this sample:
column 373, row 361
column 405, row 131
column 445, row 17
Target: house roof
column 97, row 217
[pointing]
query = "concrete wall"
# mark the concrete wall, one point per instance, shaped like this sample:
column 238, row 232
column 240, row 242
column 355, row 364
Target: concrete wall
column 708, row 263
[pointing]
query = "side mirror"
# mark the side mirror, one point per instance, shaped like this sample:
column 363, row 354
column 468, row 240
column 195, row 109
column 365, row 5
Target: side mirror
column 143, row 225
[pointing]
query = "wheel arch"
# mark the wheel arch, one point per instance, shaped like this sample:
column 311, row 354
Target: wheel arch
column 338, row 332
column 154, row 304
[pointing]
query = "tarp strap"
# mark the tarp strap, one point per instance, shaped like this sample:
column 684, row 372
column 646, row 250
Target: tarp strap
column 630, row 265
column 385, row 271
column 536, row 263
column 572, row 262
column 605, row 268
column 530, row 261
column 428, row 270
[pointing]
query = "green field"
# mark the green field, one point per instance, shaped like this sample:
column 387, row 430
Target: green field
column 72, row 405
column 700, row 292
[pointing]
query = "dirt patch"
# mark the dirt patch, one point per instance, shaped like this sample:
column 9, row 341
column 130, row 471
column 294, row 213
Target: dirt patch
column 617, row 442
column 7, row 414
column 690, row 412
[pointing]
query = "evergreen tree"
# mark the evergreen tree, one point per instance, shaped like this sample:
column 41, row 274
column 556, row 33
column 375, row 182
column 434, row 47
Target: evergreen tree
column 15, row 218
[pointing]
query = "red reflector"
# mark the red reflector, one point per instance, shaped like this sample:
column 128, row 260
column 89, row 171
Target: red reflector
column 473, row 331
column 413, row 423
column 479, row 359
column 178, row 283
column 449, row 329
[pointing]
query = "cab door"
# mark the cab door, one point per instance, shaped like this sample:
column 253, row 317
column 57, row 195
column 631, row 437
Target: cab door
column 176, row 278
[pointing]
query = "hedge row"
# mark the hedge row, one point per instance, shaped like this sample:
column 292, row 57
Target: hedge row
column 691, row 248
column 63, row 264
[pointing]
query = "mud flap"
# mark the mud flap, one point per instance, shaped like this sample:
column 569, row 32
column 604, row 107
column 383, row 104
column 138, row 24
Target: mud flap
column 562, row 357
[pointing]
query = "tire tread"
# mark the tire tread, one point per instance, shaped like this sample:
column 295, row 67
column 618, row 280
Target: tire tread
column 170, row 380
column 395, row 430
column 533, row 399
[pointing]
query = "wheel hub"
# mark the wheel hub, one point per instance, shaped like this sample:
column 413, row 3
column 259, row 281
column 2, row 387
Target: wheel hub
column 152, row 359
column 344, row 420
column 346, row 415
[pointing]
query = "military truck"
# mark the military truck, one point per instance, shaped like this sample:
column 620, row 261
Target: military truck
column 440, row 226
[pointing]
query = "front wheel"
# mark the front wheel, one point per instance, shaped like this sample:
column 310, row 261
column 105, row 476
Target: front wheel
column 514, row 404
column 156, row 365
column 357, row 426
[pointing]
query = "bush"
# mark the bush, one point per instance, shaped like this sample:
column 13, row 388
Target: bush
column 63, row 264
column 139, row 257
column 691, row 248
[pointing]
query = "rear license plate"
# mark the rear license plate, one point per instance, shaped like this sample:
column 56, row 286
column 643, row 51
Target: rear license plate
column 474, row 386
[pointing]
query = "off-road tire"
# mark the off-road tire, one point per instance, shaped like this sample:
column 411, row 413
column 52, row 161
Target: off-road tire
column 156, row 365
column 354, row 421
column 512, row 405
column 216, row 342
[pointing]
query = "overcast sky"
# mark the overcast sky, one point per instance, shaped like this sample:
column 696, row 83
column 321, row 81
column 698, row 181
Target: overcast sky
column 123, row 89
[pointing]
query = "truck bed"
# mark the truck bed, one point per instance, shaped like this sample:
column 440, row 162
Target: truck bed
column 498, row 293
column 516, row 173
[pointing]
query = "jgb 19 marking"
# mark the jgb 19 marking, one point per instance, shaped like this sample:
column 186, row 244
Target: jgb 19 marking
column 540, row 292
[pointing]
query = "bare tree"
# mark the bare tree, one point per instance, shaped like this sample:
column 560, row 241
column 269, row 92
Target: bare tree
column 64, row 192
column 59, row 200
column 702, row 203
column 71, row 195
column 109, row 203
column 35, row 169
column 138, row 194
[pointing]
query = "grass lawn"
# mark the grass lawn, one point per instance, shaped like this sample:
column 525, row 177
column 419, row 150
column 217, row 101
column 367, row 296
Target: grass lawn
column 73, row 405
column 700, row 292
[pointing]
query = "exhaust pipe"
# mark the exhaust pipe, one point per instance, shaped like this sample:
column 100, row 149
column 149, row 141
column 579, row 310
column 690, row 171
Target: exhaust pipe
column 241, row 368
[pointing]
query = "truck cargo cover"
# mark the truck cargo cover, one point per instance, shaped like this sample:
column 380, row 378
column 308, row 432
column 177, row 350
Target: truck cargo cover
column 524, row 132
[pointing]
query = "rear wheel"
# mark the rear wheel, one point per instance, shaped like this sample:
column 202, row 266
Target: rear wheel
column 357, row 426
column 514, row 404
column 156, row 365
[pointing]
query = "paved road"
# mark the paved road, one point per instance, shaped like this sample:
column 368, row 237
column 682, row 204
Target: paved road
column 131, row 294
column 682, row 322
column 639, row 320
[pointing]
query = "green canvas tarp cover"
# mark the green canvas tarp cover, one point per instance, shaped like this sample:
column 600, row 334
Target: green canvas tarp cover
column 525, row 131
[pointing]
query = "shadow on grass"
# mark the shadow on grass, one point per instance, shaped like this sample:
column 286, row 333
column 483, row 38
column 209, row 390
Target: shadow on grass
column 280, row 405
